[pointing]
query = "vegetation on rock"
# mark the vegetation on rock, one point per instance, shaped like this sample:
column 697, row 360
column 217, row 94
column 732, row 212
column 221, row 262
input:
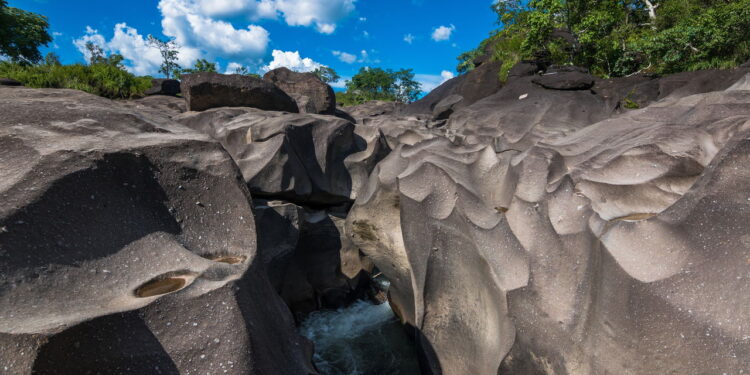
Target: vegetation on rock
column 619, row 38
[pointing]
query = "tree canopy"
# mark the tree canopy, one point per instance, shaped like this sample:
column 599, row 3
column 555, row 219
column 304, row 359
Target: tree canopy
column 618, row 38
column 326, row 74
column 22, row 33
column 378, row 84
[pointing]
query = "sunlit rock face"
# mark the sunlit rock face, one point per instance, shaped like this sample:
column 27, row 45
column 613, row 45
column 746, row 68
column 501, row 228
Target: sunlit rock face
column 127, row 245
column 561, row 234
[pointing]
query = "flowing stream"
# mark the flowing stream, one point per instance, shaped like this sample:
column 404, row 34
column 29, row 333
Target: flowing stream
column 362, row 339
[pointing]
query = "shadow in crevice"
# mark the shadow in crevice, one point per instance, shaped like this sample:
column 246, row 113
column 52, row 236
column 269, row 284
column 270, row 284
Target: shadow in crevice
column 113, row 344
column 87, row 215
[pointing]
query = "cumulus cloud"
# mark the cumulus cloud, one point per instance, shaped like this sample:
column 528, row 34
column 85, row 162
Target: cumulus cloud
column 323, row 14
column 140, row 57
column 186, row 21
column 409, row 38
column 291, row 60
column 431, row 81
column 443, row 33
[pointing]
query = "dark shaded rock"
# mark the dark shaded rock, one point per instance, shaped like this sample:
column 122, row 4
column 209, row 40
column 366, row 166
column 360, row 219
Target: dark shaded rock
column 9, row 82
column 127, row 242
column 481, row 82
column 628, row 93
column 161, row 86
column 308, row 258
column 445, row 107
column 525, row 68
column 312, row 94
column 203, row 91
column 565, row 80
column 746, row 64
column 698, row 82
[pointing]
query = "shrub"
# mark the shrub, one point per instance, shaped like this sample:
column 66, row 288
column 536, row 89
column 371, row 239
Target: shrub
column 105, row 80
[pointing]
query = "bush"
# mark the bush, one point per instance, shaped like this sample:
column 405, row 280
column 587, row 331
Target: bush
column 109, row 81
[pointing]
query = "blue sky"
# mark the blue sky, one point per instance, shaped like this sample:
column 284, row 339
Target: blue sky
column 424, row 35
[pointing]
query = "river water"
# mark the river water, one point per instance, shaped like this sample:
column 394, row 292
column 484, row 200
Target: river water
column 362, row 339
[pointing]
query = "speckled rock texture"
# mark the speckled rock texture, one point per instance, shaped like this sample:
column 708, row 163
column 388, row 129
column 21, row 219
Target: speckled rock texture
column 555, row 231
column 128, row 246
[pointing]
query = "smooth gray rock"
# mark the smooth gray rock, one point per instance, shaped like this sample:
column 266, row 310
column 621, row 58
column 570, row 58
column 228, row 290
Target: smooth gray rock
column 312, row 94
column 127, row 242
column 204, row 91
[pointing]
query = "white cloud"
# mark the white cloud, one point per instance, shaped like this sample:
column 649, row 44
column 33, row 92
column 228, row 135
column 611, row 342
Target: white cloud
column 232, row 67
column 443, row 33
column 185, row 21
column 323, row 14
column 362, row 19
column 409, row 38
column 291, row 60
column 431, row 81
column 365, row 34
column 345, row 57
column 341, row 83
column 349, row 58
column 140, row 57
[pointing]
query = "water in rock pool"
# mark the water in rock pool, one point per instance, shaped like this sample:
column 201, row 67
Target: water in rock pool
column 362, row 339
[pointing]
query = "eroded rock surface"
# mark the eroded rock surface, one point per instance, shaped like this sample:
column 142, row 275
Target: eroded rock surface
column 561, row 234
column 127, row 245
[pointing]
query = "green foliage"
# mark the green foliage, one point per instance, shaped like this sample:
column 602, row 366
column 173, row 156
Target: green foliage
column 107, row 80
column 201, row 65
column 22, row 33
column 168, row 50
column 378, row 84
column 326, row 74
column 618, row 38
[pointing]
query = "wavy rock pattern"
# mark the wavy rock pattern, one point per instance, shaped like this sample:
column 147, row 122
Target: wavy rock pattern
column 557, row 236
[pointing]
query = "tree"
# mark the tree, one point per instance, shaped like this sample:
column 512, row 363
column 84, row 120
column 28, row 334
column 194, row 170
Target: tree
column 51, row 59
column 326, row 74
column 168, row 50
column 22, row 33
column 378, row 84
column 618, row 38
column 95, row 52
column 201, row 65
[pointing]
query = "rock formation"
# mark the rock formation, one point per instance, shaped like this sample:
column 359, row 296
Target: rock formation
column 311, row 94
column 563, row 233
column 203, row 91
column 555, row 224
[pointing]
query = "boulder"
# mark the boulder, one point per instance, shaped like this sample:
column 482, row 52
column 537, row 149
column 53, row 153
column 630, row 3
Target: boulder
column 204, row 91
column 9, row 82
column 525, row 68
column 127, row 245
column 560, row 233
column 565, row 80
column 161, row 86
column 318, row 96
